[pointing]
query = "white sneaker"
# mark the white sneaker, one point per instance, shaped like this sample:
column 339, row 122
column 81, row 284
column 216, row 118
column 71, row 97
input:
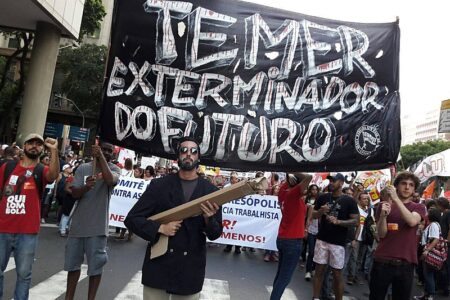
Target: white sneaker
column 308, row 276
column 42, row 221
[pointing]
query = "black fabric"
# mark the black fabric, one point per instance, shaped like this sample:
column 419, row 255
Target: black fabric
column 60, row 192
column 341, row 207
column 327, row 99
column 368, row 234
column 445, row 224
column 188, row 188
column 182, row 269
column 383, row 275
column 38, row 173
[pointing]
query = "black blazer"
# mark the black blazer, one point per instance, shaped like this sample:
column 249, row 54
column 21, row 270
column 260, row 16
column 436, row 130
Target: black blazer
column 182, row 269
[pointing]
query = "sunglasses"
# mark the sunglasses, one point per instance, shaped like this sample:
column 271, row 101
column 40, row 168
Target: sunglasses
column 184, row 150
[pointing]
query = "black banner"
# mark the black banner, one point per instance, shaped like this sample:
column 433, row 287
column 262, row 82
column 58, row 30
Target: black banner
column 260, row 88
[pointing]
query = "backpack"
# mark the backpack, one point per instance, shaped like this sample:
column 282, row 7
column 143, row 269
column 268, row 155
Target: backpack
column 60, row 192
column 37, row 175
column 369, row 229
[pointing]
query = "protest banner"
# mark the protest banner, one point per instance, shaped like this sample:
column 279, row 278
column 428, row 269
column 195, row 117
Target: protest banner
column 434, row 165
column 259, row 87
column 251, row 221
column 124, row 195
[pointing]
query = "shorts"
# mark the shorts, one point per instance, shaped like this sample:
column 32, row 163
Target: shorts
column 329, row 254
column 95, row 250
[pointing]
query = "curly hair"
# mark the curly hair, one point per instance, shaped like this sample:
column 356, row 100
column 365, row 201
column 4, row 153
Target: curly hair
column 405, row 176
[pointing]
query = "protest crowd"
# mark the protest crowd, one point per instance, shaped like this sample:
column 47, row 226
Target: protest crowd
column 334, row 228
column 293, row 108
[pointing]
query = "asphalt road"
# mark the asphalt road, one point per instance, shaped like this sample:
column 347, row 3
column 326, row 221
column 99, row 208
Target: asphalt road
column 229, row 276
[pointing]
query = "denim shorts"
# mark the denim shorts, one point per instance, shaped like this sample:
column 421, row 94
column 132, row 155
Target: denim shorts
column 93, row 247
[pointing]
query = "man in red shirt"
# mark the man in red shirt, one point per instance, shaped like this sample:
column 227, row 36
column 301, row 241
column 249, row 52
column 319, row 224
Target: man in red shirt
column 292, row 229
column 20, row 210
column 396, row 255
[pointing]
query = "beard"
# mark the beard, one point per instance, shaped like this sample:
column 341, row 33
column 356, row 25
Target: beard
column 187, row 164
column 32, row 155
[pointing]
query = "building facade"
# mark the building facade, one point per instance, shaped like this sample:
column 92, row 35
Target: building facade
column 422, row 127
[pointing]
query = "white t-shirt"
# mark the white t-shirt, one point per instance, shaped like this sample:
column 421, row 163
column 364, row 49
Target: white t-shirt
column 127, row 173
column 362, row 217
column 432, row 231
column 313, row 228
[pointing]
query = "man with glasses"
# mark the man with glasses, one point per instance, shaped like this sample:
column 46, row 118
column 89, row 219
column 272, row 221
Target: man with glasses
column 180, row 272
column 20, row 205
column 89, row 227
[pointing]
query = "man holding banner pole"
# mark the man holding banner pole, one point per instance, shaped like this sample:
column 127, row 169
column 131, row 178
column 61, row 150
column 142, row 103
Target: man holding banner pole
column 291, row 231
column 92, row 186
column 179, row 273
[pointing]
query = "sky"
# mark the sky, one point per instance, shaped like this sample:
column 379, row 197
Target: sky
column 424, row 41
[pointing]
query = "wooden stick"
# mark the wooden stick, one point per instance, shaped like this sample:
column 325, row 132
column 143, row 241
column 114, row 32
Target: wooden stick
column 94, row 162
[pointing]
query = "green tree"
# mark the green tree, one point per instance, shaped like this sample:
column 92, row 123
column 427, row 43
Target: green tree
column 83, row 69
column 13, row 68
column 93, row 14
column 411, row 154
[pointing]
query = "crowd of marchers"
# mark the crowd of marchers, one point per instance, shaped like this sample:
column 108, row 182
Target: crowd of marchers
column 338, row 235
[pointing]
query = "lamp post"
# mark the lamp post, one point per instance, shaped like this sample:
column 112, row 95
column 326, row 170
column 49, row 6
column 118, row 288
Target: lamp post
column 71, row 101
column 81, row 112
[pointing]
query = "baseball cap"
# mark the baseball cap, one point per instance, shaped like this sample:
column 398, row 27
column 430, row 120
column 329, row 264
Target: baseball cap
column 336, row 177
column 66, row 166
column 4, row 146
column 33, row 136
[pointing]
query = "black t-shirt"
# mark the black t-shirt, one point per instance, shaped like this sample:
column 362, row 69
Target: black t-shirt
column 341, row 207
column 445, row 224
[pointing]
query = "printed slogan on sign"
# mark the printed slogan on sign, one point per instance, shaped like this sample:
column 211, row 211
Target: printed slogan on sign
column 125, row 194
column 272, row 89
column 251, row 221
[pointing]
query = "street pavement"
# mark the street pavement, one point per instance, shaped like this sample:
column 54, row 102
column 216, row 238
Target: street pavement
column 228, row 275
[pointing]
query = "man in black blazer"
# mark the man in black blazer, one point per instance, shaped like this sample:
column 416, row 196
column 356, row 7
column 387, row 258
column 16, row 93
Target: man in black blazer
column 181, row 270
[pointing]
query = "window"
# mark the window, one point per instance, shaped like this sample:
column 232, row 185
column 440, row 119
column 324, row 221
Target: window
column 13, row 43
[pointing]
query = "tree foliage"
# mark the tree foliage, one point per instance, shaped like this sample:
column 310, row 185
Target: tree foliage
column 93, row 14
column 411, row 154
column 12, row 87
column 83, row 69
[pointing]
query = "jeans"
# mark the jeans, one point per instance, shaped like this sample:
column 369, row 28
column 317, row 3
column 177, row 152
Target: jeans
column 64, row 224
column 289, row 251
column 24, row 246
column 383, row 275
column 311, row 241
column 429, row 277
column 368, row 261
column 356, row 259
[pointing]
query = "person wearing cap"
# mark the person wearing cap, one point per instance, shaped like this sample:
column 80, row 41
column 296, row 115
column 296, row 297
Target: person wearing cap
column 180, row 271
column 20, row 209
column 89, row 224
column 337, row 212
